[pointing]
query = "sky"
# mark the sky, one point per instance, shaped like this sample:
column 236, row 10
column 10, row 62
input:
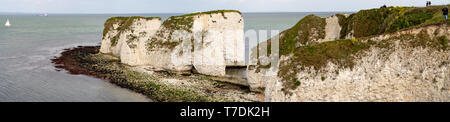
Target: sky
column 188, row 6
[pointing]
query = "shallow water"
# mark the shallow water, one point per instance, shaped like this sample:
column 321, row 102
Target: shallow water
column 27, row 74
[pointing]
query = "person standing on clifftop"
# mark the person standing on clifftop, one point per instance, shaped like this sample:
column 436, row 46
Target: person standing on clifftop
column 428, row 3
column 384, row 7
column 445, row 13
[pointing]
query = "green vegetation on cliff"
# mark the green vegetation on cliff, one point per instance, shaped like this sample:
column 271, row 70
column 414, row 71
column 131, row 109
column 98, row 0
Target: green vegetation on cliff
column 307, row 31
column 184, row 23
column 379, row 21
column 211, row 12
column 155, row 86
column 124, row 24
column 300, row 44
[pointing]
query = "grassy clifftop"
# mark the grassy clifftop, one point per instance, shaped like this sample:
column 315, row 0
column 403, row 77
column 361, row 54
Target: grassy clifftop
column 178, row 23
column 124, row 23
column 361, row 24
column 305, row 32
column 209, row 12
column 300, row 44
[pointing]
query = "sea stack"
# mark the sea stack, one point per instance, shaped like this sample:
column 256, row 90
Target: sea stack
column 206, row 41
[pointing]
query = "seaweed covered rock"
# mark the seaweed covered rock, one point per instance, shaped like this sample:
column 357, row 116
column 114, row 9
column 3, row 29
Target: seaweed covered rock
column 409, row 65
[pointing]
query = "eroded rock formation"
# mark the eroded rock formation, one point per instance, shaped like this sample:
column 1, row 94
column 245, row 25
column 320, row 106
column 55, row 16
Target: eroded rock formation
column 207, row 41
column 372, row 55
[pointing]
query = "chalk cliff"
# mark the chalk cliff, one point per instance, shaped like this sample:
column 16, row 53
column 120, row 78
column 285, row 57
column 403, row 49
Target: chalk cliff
column 126, row 37
column 207, row 41
column 372, row 55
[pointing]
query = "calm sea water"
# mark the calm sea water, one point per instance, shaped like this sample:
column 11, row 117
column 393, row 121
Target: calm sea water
column 27, row 74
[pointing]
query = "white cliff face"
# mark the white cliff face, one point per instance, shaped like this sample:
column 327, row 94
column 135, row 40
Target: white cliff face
column 400, row 73
column 221, row 43
column 332, row 29
column 130, row 40
column 207, row 42
column 133, row 51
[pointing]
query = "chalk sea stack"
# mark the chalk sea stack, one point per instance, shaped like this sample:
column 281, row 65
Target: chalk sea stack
column 206, row 41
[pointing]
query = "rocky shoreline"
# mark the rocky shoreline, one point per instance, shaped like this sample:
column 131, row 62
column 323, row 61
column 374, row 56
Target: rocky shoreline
column 157, row 85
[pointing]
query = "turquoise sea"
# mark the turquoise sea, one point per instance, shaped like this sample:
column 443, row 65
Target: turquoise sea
column 27, row 74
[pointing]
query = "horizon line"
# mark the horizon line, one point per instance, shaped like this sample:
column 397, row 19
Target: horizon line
column 170, row 12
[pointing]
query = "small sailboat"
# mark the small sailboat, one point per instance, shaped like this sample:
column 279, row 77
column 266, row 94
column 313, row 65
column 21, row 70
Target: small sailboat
column 7, row 24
